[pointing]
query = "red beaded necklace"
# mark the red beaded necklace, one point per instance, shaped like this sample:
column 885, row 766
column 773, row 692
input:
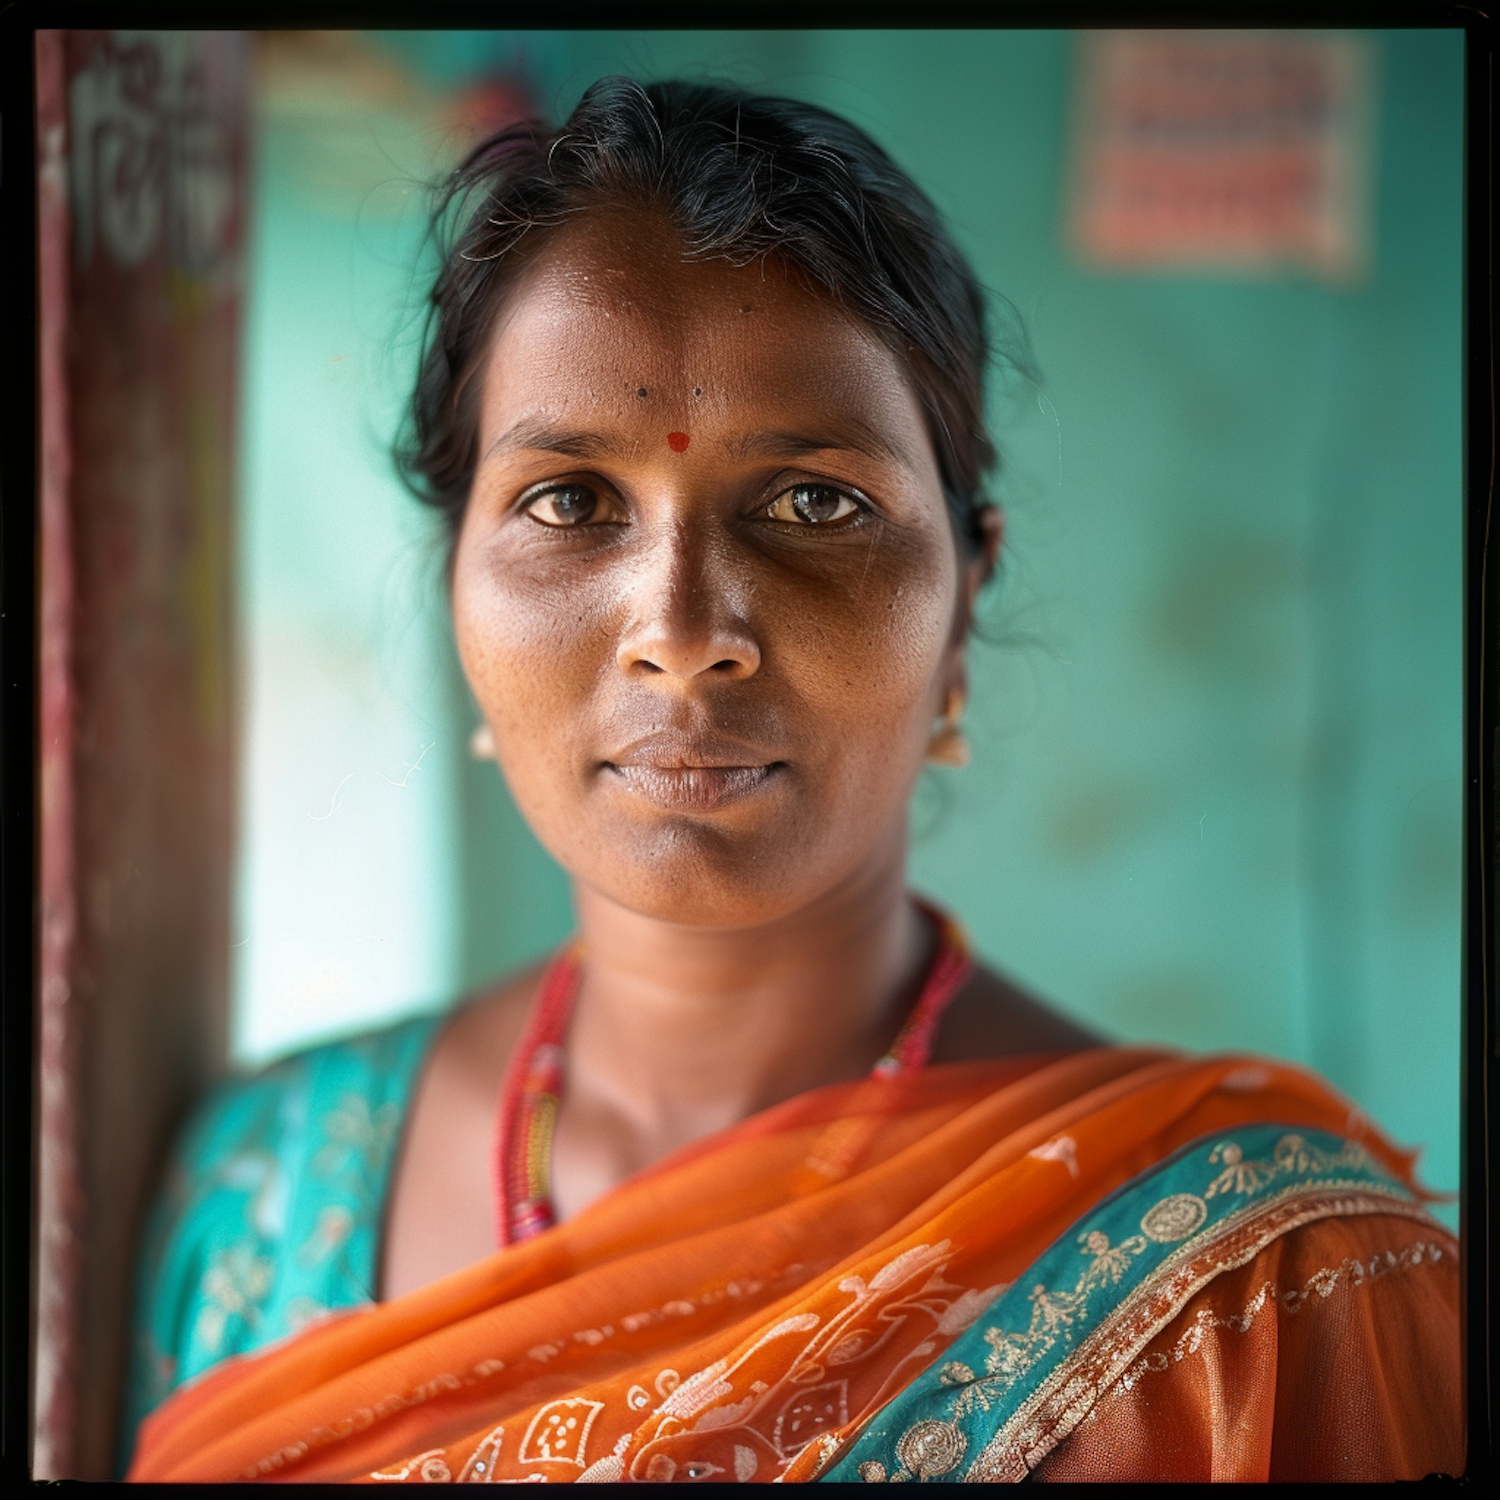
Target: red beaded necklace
column 532, row 1088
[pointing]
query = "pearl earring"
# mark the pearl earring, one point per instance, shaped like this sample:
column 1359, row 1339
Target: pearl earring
column 482, row 743
column 949, row 745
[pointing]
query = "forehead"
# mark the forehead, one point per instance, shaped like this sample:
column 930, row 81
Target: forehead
column 612, row 305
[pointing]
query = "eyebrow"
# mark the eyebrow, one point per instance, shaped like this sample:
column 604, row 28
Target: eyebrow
column 545, row 437
column 848, row 434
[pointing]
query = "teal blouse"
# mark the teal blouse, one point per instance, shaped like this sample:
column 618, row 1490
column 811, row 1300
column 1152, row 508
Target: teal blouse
column 270, row 1212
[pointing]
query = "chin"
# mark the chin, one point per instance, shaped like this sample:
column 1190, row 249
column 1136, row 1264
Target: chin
column 697, row 875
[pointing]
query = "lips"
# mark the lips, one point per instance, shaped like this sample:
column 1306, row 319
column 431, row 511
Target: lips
column 684, row 771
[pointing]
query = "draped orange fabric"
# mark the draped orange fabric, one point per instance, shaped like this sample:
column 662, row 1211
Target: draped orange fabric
column 682, row 1326
column 1332, row 1356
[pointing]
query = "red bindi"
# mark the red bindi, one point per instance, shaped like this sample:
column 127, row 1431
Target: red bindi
column 677, row 441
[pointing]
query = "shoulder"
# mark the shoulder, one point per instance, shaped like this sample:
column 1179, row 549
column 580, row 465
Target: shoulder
column 247, row 1108
column 1347, row 1326
column 268, row 1213
column 346, row 1093
column 993, row 1016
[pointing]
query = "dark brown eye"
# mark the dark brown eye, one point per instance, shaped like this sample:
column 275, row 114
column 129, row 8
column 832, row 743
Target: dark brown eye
column 812, row 505
column 567, row 505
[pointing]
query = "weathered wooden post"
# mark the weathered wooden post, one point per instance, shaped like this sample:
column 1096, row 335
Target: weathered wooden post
column 141, row 211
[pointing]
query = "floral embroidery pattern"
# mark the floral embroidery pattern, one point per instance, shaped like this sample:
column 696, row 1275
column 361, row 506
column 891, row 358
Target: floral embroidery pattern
column 357, row 1136
column 233, row 1286
column 269, row 1212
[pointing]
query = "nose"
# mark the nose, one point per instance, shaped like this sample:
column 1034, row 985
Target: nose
column 684, row 618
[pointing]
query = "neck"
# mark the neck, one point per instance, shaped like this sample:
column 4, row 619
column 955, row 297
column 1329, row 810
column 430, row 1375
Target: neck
column 679, row 1031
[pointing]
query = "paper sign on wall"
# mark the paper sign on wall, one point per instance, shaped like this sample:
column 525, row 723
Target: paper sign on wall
column 1222, row 151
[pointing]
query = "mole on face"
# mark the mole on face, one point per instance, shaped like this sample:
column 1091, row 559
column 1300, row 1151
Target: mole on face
column 677, row 441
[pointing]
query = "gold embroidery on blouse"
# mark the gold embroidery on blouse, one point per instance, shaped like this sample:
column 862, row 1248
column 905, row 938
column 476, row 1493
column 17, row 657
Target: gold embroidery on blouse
column 331, row 1230
column 354, row 1127
column 236, row 1282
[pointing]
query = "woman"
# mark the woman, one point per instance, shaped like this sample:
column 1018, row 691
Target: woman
column 780, row 1184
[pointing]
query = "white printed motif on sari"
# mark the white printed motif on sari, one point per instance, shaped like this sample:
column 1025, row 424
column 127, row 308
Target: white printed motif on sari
column 770, row 1422
column 1062, row 1149
column 559, row 1432
column 480, row 1469
column 430, row 1467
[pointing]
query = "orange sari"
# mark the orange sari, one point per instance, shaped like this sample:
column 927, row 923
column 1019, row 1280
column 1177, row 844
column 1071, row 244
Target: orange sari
column 750, row 1308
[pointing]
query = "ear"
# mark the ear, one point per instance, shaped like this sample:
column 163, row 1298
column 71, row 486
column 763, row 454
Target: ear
column 975, row 572
column 978, row 569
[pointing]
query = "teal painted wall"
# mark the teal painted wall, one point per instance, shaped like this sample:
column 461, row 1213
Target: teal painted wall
column 347, row 893
column 1216, row 787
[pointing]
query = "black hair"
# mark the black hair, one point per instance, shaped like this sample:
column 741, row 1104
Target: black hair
column 741, row 176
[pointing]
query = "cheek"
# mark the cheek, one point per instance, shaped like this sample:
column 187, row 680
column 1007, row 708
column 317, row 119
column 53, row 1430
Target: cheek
column 873, row 657
column 532, row 649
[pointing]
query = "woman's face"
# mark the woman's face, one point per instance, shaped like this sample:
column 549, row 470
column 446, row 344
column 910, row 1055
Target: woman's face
column 706, row 591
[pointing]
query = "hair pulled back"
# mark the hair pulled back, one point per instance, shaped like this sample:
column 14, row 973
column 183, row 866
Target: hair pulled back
column 740, row 176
